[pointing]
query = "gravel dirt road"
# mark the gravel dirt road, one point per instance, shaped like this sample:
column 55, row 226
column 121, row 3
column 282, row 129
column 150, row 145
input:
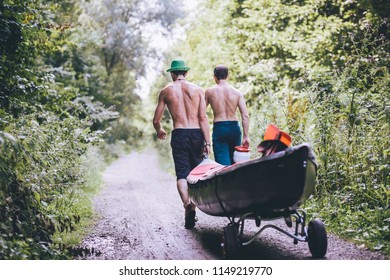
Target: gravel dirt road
column 141, row 217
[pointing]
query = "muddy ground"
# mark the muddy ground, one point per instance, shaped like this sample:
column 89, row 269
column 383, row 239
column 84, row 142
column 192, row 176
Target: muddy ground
column 141, row 217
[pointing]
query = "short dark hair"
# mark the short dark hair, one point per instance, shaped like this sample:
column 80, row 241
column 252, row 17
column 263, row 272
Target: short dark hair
column 221, row 72
column 177, row 73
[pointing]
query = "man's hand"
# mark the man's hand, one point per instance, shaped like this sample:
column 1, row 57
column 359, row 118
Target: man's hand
column 245, row 142
column 161, row 134
column 207, row 149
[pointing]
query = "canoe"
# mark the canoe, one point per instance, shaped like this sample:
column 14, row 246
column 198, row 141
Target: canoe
column 268, row 186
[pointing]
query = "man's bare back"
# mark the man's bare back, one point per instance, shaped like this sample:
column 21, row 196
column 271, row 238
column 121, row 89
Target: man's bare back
column 186, row 104
column 183, row 100
column 224, row 101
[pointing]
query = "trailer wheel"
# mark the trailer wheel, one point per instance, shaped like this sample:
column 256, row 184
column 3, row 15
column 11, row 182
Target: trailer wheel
column 317, row 238
column 229, row 242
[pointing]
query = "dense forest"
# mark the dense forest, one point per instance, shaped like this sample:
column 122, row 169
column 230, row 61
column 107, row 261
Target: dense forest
column 70, row 75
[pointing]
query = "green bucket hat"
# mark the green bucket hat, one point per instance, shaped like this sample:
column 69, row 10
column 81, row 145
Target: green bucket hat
column 178, row 65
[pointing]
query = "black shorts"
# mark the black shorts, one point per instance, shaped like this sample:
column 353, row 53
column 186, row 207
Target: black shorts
column 187, row 150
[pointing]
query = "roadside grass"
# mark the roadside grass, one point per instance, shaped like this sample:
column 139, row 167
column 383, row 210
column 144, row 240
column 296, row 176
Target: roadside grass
column 93, row 165
column 367, row 228
column 94, row 162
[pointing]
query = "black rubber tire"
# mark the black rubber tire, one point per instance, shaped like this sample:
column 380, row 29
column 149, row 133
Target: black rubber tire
column 317, row 239
column 229, row 243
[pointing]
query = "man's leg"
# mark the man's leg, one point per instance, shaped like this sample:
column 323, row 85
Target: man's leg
column 189, row 207
column 220, row 144
column 182, row 187
column 234, row 140
column 221, row 153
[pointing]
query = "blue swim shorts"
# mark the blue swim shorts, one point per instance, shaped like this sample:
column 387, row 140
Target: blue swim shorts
column 226, row 136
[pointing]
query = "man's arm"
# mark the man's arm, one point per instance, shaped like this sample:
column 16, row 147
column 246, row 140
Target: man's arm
column 157, row 117
column 203, row 121
column 245, row 121
column 207, row 97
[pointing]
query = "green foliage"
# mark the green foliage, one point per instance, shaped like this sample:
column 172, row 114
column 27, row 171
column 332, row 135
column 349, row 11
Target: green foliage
column 355, row 140
column 35, row 179
column 68, row 73
column 46, row 125
column 79, row 200
column 17, row 49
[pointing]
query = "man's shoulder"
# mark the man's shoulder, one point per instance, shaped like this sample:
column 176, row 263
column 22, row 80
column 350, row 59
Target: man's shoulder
column 226, row 89
column 234, row 90
column 167, row 88
column 211, row 89
column 194, row 86
column 168, row 85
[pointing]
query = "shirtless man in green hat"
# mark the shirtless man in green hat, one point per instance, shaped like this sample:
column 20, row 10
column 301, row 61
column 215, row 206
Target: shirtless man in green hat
column 190, row 135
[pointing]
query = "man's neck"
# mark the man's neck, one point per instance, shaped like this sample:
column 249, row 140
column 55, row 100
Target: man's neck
column 222, row 82
column 180, row 78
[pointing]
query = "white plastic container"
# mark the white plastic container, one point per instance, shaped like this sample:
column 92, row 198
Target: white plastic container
column 241, row 153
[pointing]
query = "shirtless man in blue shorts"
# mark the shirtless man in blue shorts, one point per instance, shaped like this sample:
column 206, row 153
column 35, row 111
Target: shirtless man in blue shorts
column 190, row 136
column 224, row 100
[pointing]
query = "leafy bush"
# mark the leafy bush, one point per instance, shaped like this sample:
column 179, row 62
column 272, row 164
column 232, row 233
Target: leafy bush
column 46, row 126
column 352, row 119
column 36, row 180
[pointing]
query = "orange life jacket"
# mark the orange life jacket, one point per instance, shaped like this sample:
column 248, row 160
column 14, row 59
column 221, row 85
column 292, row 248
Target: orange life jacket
column 275, row 140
